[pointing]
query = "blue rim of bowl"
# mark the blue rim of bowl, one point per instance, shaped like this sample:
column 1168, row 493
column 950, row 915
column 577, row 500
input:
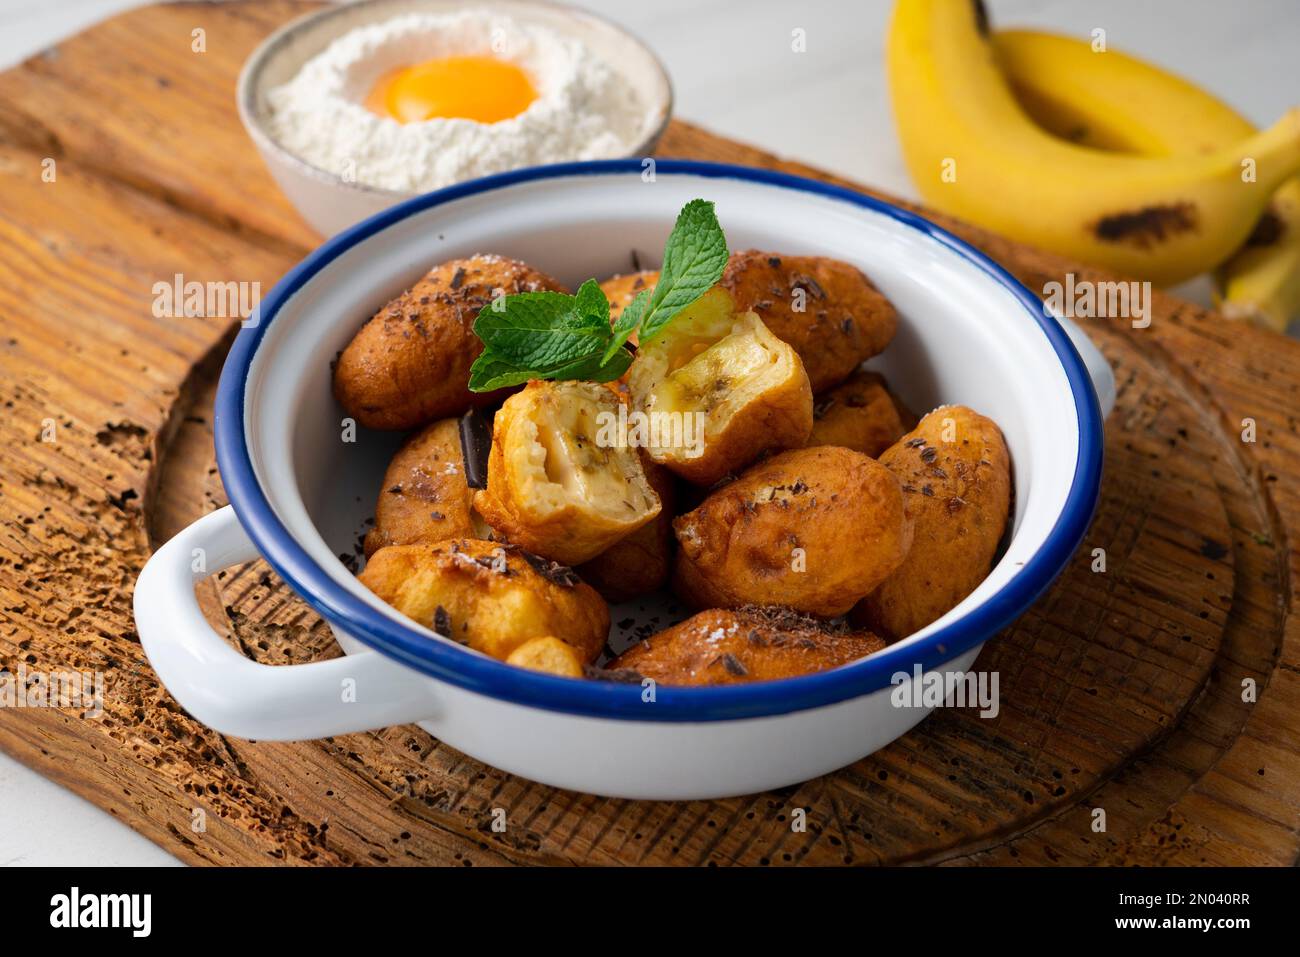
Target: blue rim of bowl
column 446, row 661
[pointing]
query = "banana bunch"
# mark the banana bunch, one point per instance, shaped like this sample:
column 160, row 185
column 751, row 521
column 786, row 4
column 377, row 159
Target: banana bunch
column 1112, row 101
column 1098, row 156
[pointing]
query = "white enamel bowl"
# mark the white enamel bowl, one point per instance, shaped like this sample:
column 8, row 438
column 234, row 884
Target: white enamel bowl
column 328, row 201
column 969, row 334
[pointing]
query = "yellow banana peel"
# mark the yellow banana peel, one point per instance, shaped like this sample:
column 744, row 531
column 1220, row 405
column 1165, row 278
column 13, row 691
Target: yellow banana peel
column 1110, row 100
column 975, row 152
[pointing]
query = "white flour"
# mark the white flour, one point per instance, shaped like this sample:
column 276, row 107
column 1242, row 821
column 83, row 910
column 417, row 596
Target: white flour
column 584, row 109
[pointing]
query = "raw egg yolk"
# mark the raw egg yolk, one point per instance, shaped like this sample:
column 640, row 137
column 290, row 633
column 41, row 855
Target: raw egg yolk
column 478, row 88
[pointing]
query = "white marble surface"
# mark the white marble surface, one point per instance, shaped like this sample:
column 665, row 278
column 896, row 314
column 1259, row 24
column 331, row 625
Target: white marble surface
column 735, row 71
column 42, row 824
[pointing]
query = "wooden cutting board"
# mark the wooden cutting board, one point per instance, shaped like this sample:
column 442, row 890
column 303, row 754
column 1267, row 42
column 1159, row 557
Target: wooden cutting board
column 1121, row 690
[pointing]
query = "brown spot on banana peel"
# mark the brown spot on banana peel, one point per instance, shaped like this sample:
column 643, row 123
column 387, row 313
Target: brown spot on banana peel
column 1268, row 231
column 1147, row 226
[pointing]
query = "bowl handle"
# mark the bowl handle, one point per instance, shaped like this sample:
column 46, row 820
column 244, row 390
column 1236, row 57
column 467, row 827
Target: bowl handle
column 1099, row 370
column 239, row 697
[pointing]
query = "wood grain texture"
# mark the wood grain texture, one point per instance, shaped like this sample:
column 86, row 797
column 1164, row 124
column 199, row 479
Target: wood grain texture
column 1120, row 691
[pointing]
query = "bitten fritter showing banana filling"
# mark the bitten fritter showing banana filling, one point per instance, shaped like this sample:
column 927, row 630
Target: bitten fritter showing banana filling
column 861, row 414
column 813, row 529
column 640, row 563
column 425, row 497
column 751, row 643
column 489, row 596
column 410, row 363
column 828, row 310
column 559, row 482
column 718, row 389
column 956, row 476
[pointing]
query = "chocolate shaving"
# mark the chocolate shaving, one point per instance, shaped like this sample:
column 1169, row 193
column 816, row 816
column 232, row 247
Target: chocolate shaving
column 475, row 444
column 458, row 278
column 553, row 572
column 496, row 562
column 809, row 283
column 722, row 482
column 619, row 675
column 780, row 618
column 929, row 455
column 733, row 665
column 442, row 621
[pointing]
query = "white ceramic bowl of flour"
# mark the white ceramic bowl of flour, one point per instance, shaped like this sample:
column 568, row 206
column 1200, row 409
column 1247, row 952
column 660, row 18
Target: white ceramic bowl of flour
column 300, row 94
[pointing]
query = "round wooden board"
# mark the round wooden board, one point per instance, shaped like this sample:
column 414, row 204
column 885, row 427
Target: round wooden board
column 1104, row 668
column 1126, row 691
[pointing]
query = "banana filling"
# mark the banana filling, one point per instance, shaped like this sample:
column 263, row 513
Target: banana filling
column 712, row 364
column 558, row 484
column 608, row 479
column 705, row 382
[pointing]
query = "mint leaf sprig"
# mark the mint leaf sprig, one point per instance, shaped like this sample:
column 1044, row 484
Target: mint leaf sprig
column 551, row 335
column 545, row 335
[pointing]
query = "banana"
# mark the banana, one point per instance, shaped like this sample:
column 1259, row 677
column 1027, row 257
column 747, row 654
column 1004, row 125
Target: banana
column 1261, row 283
column 974, row 153
column 1113, row 101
